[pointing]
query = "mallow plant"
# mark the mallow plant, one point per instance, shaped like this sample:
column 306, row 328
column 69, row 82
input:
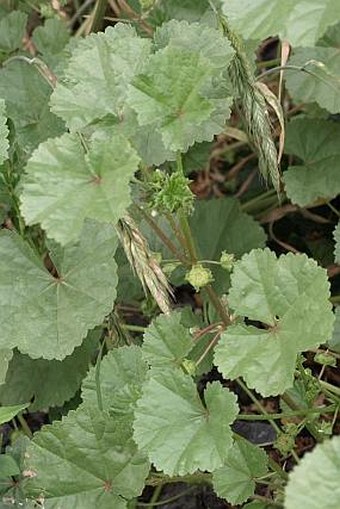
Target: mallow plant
column 147, row 152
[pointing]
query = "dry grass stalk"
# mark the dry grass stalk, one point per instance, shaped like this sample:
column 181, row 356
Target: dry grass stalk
column 144, row 264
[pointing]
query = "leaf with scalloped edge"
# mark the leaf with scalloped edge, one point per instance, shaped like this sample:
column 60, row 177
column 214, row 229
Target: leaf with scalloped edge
column 97, row 75
column 290, row 296
column 336, row 236
column 334, row 341
column 4, row 143
column 121, row 375
column 47, row 383
column 176, row 94
column 166, row 341
column 64, row 185
column 300, row 22
column 87, row 460
column 49, row 315
column 177, row 431
column 235, row 481
column 314, row 482
column 316, row 142
column 12, row 31
column 323, row 85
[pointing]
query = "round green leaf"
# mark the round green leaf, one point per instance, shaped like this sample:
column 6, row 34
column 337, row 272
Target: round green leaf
column 49, row 315
column 314, row 482
column 86, row 461
column 177, row 431
column 290, row 295
column 235, row 481
column 191, row 113
column 166, row 341
column 64, row 185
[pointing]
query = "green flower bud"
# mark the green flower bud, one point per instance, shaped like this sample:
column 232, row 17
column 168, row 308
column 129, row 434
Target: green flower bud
column 227, row 261
column 199, row 276
column 170, row 193
column 326, row 359
column 146, row 4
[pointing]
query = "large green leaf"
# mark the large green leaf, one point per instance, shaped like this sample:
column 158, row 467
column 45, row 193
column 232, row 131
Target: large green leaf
column 334, row 341
column 189, row 10
column 46, row 315
column 235, row 481
column 323, row 85
column 301, row 22
column 220, row 225
column 96, row 79
column 47, row 383
column 64, row 185
column 191, row 112
column 120, row 378
column 4, row 143
column 177, row 431
column 316, row 142
column 314, row 482
column 12, row 31
column 166, row 341
column 85, row 461
column 290, row 296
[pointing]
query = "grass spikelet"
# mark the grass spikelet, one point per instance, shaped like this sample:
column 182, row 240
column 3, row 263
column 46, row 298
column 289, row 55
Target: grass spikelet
column 144, row 265
column 254, row 111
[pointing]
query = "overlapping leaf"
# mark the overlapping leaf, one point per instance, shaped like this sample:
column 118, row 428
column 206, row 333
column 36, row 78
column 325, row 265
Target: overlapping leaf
column 301, row 23
column 4, row 144
column 48, row 316
column 64, row 185
column 27, row 94
column 190, row 113
column 96, row 79
column 235, row 481
column 12, row 31
column 47, row 383
column 85, row 461
column 166, row 341
column 290, row 296
column 334, row 341
column 121, row 375
column 177, row 431
column 50, row 41
column 314, row 482
column 316, row 142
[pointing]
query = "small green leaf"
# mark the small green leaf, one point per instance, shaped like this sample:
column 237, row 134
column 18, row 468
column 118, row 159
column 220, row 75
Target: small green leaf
column 47, row 383
column 177, row 431
column 235, row 481
column 65, row 185
column 316, row 142
column 166, row 341
column 6, row 355
column 50, row 40
column 9, row 412
column 12, row 31
column 4, row 143
column 96, row 78
column 298, row 22
column 121, row 375
column 86, row 461
column 314, row 482
column 8, row 466
column 290, row 295
column 50, row 315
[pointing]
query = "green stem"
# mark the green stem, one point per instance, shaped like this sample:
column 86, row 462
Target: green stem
column 266, row 417
column 330, row 387
column 98, row 15
column 25, row 427
column 165, row 501
column 133, row 328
